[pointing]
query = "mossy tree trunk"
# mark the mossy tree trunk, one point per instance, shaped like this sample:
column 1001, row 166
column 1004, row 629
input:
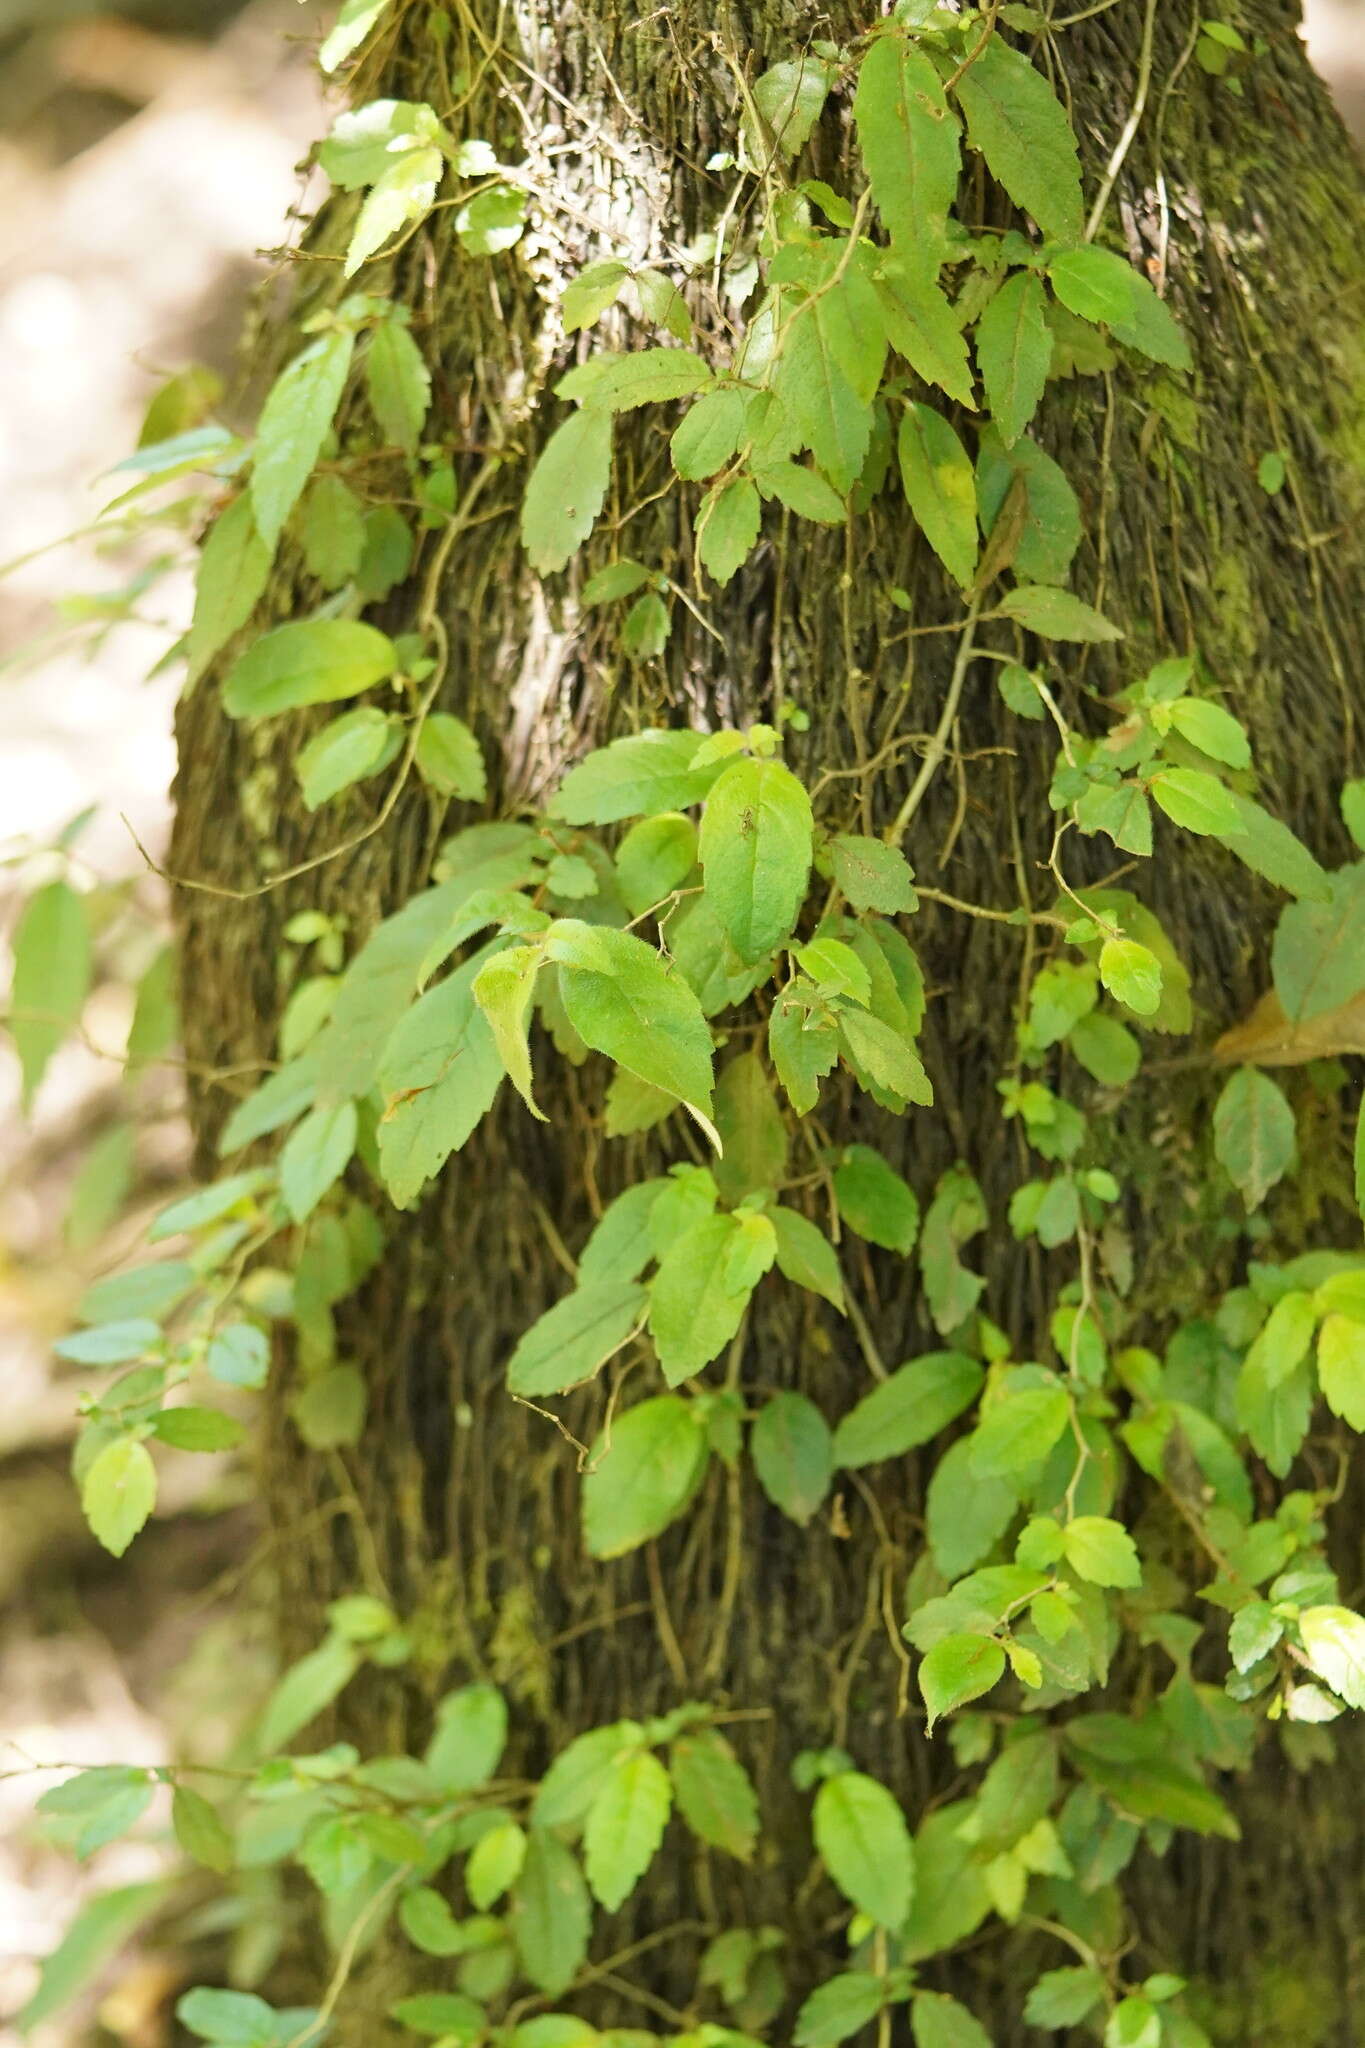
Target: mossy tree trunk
column 1246, row 210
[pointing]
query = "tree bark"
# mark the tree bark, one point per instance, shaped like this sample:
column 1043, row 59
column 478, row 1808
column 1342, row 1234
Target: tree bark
column 461, row 1506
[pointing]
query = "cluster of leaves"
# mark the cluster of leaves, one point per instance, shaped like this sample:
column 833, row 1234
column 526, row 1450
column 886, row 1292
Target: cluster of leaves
column 683, row 916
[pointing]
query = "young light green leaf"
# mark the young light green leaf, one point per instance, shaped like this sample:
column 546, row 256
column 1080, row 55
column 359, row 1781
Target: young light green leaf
column 119, row 1493
column 1019, row 1430
column 587, row 296
column 1101, row 1551
column 1333, row 1639
column 440, row 1072
column 294, row 423
column 494, row 1863
column 861, row 1834
column 450, row 759
column 907, row 1409
column 566, row 489
column 625, row 1826
column 643, row 1478
column 1017, row 122
column 1132, row 975
column 404, row 194
column 503, row 989
column 308, row 661
column 1212, row 729
column 793, row 1454
column 470, row 1736
column 1014, row 350
column 938, row 2021
column 958, row 1669
column 1341, row 1368
column 304, row 1690
column 940, row 488
column 573, row 1340
column 1196, row 800
column 352, row 25
column 755, row 847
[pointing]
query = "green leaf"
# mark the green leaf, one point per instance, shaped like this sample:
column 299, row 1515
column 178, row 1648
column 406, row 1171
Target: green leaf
column 655, row 858
column 429, row 1924
column 804, row 1046
column 1333, row 1639
column 907, row 1409
column 922, row 326
column 643, row 774
column 806, row 1257
column 491, row 221
column 1063, row 1998
column 1018, row 124
column 234, row 568
column 645, row 376
column 878, row 1051
column 793, row 1454
column 1318, row 956
column 1132, row 974
column 875, row 1201
column 838, row 2008
column 293, row 425
column 1014, row 350
column 625, row 1826
column 447, row 2013
column 331, row 530
column 644, row 1476
column 1213, row 730
column 551, row 1914
column 568, row 1789
column 1341, row 1368
column 940, row 488
column 494, row 1864
column 316, row 1154
column 958, row 1669
column 789, row 98
column 309, row 661
column 966, row 1513
column 573, row 1340
column 694, row 1307
column 566, row 490
column 304, row 1690
column 238, row 2019
column 102, row 1803
column 405, row 193
column 1019, row 1430
column 398, row 383
column 1043, row 541
column 1254, row 1137
column 1106, row 1049
column 714, row 1794
column 52, row 967
column 727, row 527
column 587, row 296
column 710, row 434
column 352, row 25
column 1101, row 1551
column 197, row 1429
column 1196, row 800
column 1055, row 614
column 344, row 752
column 95, row 1933
column 440, row 1073
column 450, row 759
column 1269, row 848
column 1094, row 283
column 861, row 1834
column 821, row 405
column 1255, row 1630
column 1134, row 2023
column 755, row 846
column 803, row 491
column 504, row 989
column 940, row 2022
column 119, row 1493
column 625, row 1002
column 872, row 875
column 470, row 1736
column 199, row 1830
column 909, row 144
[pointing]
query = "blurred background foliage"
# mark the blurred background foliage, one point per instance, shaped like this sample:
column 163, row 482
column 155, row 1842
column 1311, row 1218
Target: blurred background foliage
column 149, row 152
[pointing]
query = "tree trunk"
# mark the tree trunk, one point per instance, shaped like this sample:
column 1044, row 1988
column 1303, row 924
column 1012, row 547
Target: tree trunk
column 461, row 1505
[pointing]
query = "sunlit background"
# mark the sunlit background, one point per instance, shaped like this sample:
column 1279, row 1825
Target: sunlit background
column 147, row 156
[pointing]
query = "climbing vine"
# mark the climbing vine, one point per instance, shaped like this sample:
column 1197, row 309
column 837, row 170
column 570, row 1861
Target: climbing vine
column 725, row 930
